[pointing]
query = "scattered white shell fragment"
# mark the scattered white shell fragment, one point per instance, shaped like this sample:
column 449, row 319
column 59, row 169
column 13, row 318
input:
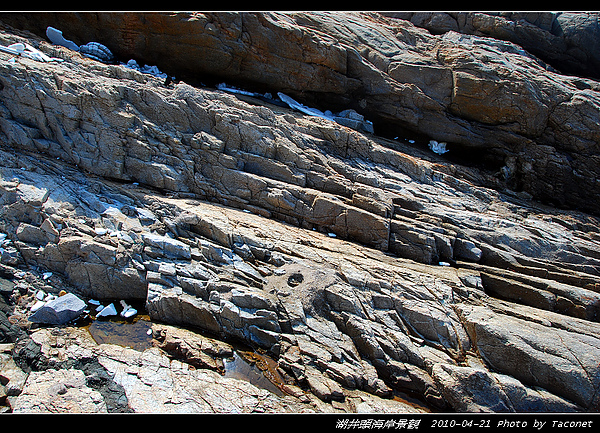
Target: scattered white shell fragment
column 40, row 295
column 46, row 275
column 109, row 310
column 444, row 264
column 94, row 302
column 332, row 235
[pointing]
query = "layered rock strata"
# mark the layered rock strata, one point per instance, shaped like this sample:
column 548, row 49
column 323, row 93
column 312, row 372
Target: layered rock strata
column 489, row 98
column 361, row 264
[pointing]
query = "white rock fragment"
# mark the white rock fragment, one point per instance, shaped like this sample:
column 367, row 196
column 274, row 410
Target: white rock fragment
column 26, row 50
column 292, row 103
column 128, row 310
column 59, row 311
column 437, row 147
column 57, row 38
column 146, row 69
column 109, row 310
column 37, row 306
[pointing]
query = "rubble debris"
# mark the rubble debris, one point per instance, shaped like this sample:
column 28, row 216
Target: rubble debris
column 146, row 69
column 109, row 310
column 231, row 89
column 26, row 50
column 302, row 108
column 93, row 50
column 97, row 51
column 128, row 310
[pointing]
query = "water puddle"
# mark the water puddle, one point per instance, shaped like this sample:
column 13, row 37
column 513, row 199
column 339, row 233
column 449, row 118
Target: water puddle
column 255, row 368
column 136, row 334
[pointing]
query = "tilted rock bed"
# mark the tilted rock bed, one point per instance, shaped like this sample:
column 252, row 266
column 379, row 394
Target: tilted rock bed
column 362, row 265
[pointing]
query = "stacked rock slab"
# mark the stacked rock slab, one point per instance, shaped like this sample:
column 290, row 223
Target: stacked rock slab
column 324, row 246
column 488, row 97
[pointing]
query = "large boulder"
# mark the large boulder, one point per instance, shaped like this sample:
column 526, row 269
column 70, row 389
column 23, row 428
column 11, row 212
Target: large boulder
column 59, row 311
column 553, row 359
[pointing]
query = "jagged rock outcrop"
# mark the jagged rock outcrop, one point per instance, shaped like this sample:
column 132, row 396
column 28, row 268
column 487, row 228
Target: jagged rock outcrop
column 565, row 40
column 363, row 265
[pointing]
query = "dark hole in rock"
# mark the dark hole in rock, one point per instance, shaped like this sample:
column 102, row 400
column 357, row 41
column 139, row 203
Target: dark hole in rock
column 295, row 279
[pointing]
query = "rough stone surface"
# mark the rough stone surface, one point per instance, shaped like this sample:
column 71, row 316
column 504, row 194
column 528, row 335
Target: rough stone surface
column 58, row 391
column 567, row 41
column 366, row 268
column 480, row 89
column 59, row 311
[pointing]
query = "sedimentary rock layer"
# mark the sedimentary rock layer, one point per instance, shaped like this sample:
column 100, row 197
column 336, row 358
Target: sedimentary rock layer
column 489, row 98
column 361, row 264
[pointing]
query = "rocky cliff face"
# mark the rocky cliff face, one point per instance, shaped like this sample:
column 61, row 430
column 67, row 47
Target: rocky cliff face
column 364, row 265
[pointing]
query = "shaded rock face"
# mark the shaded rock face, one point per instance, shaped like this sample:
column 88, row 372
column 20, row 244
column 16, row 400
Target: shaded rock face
column 364, row 266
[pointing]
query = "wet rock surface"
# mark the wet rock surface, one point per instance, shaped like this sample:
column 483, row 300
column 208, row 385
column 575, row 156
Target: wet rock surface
column 364, row 267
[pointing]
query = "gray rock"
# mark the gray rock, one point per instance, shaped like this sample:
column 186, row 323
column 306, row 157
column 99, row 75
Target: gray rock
column 171, row 247
column 469, row 389
column 562, row 362
column 466, row 250
column 313, row 241
column 59, row 311
column 52, row 391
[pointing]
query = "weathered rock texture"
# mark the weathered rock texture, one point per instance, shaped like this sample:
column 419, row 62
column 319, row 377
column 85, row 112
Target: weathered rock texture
column 566, row 41
column 489, row 98
column 320, row 244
